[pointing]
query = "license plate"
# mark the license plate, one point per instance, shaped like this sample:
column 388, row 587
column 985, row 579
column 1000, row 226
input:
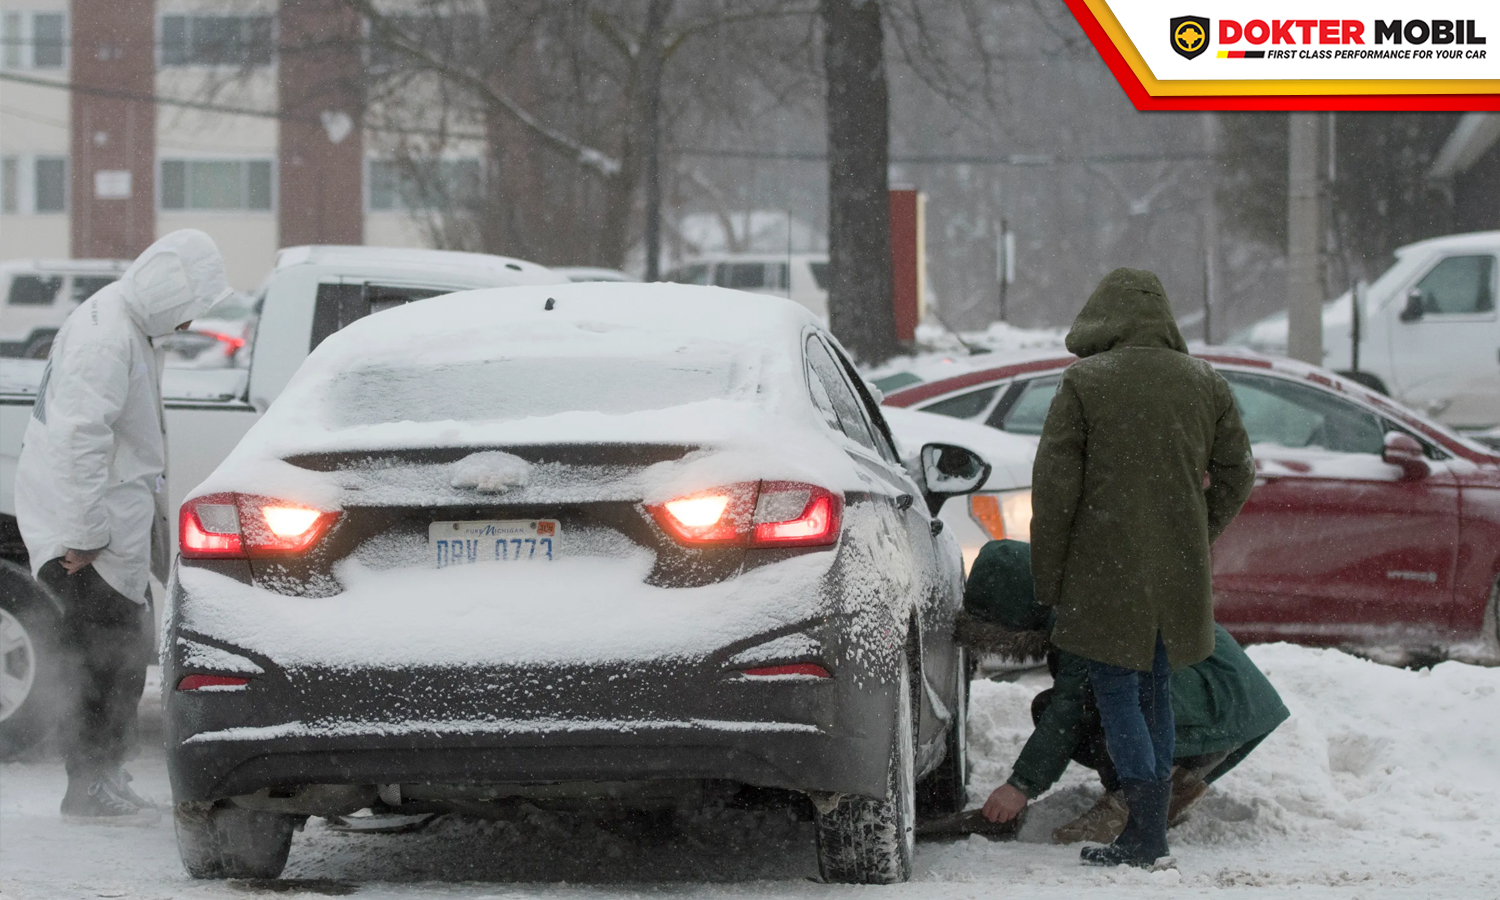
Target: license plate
column 506, row 540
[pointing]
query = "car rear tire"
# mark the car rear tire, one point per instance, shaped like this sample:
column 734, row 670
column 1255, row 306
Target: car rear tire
column 30, row 665
column 866, row 841
column 229, row 842
column 945, row 790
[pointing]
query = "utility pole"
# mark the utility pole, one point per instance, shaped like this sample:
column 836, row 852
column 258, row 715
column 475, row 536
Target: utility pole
column 651, row 66
column 1304, row 233
column 861, row 311
column 1005, row 263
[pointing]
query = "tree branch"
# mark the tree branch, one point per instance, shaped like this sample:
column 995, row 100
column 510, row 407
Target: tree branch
column 399, row 41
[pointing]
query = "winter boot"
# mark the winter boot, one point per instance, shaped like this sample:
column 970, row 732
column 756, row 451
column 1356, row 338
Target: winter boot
column 1187, row 787
column 100, row 802
column 1101, row 824
column 121, row 781
column 1144, row 839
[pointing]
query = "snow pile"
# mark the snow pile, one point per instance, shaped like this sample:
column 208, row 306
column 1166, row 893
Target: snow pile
column 490, row 472
column 1403, row 760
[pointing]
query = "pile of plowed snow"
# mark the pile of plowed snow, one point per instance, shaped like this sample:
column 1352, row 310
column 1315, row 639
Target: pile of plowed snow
column 1370, row 753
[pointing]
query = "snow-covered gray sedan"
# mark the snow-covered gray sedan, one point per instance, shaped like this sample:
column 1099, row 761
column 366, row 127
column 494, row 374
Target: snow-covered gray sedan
column 642, row 544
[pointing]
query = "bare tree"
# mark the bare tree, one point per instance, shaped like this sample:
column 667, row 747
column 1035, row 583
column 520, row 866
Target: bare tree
column 565, row 101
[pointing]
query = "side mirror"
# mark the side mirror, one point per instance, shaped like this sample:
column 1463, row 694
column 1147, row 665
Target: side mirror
column 1405, row 451
column 949, row 471
column 1416, row 306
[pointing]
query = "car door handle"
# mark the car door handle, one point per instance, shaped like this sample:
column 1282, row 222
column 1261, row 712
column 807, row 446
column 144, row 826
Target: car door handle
column 903, row 502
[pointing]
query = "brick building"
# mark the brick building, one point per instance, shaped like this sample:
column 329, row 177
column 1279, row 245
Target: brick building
column 144, row 143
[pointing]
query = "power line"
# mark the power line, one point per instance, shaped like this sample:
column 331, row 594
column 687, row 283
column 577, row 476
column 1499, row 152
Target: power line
column 222, row 108
column 1011, row 159
column 943, row 159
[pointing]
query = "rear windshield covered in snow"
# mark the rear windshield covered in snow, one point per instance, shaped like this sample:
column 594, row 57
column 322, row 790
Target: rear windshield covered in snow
column 508, row 389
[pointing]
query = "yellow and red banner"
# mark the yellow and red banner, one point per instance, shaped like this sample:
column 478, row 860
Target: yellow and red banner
column 1300, row 54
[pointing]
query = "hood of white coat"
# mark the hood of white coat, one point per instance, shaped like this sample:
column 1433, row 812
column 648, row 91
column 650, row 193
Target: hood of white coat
column 176, row 280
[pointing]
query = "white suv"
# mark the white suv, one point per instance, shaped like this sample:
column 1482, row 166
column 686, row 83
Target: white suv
column 799, row 277
column 39, row 294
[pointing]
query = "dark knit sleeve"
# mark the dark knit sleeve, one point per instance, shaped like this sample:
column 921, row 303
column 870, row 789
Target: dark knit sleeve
column 1051, row 745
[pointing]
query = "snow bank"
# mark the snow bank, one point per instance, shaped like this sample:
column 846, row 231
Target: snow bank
column 1371, row 754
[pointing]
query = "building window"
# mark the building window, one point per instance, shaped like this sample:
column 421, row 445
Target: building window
column 216, row 40
column 427, row 184
column 51, row 184
column 33, row 184
column 216, row 184
column 10, row 184
column 33, row 40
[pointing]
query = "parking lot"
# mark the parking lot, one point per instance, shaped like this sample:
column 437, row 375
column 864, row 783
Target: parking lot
column 1382, row 785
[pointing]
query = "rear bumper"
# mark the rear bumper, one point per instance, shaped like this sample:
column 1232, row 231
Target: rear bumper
column 797, row 760
column 645, row 720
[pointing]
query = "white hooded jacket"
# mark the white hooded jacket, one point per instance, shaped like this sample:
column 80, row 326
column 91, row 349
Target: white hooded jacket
column 93, row 461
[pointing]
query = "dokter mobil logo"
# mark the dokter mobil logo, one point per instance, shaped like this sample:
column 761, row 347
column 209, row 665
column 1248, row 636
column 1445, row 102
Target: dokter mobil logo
column 1421, row 39
column 1190, row 35
column 1299, row 54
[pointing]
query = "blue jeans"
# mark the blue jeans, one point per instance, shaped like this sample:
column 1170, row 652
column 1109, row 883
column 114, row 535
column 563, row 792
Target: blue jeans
column 1135, row 709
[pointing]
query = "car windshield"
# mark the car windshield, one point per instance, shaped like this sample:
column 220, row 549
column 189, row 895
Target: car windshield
column 1295, row 415
column 502, row 390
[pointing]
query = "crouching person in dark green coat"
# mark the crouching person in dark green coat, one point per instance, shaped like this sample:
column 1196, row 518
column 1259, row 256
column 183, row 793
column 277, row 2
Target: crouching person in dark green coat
column 1142, row 462
column 1223, row 706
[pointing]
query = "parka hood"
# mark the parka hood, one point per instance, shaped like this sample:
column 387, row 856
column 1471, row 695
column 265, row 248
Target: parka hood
column 1128, row 309
column 177, row 279
column 1000, row 588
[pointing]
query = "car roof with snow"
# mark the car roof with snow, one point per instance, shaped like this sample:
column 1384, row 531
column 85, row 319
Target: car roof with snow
column 570, row 363
column 387, row 262
column 1475, row 240
column 67, row 266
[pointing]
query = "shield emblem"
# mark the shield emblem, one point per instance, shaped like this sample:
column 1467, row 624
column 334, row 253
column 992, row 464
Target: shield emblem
column 1189, row 35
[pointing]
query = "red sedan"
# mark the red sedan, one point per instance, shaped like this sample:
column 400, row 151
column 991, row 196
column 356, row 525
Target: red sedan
column 1369, row 523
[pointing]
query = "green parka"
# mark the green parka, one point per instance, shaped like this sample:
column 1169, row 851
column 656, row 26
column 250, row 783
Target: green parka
column 1122, row 518
column 1222, row 704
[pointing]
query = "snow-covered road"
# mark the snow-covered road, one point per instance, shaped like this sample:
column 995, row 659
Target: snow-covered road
column 1385, row 783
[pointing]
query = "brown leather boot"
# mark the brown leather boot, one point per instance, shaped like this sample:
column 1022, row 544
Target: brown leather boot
column 1187, row 787
column 1102, row 823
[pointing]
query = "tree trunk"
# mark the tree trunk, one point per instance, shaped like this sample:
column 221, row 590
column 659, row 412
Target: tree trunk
column 651, row 65
column 859, row 214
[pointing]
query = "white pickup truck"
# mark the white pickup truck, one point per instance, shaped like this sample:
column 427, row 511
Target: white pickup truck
column 311, row 293
column 1428, row 330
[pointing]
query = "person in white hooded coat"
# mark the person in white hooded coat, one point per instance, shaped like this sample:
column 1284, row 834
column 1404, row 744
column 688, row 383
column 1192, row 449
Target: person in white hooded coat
column 91, row 501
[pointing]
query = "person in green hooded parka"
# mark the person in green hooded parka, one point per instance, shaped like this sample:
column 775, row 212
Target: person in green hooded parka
column 1142, row 463
column 1223, row 706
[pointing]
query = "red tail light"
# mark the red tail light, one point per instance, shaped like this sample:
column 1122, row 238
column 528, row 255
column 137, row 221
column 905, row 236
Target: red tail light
column 754, row 513
column 244, row 525
column 198, row 682
column 804, row 668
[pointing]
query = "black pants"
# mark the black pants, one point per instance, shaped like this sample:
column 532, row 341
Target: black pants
column 1090, row 750
column 106, row 645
